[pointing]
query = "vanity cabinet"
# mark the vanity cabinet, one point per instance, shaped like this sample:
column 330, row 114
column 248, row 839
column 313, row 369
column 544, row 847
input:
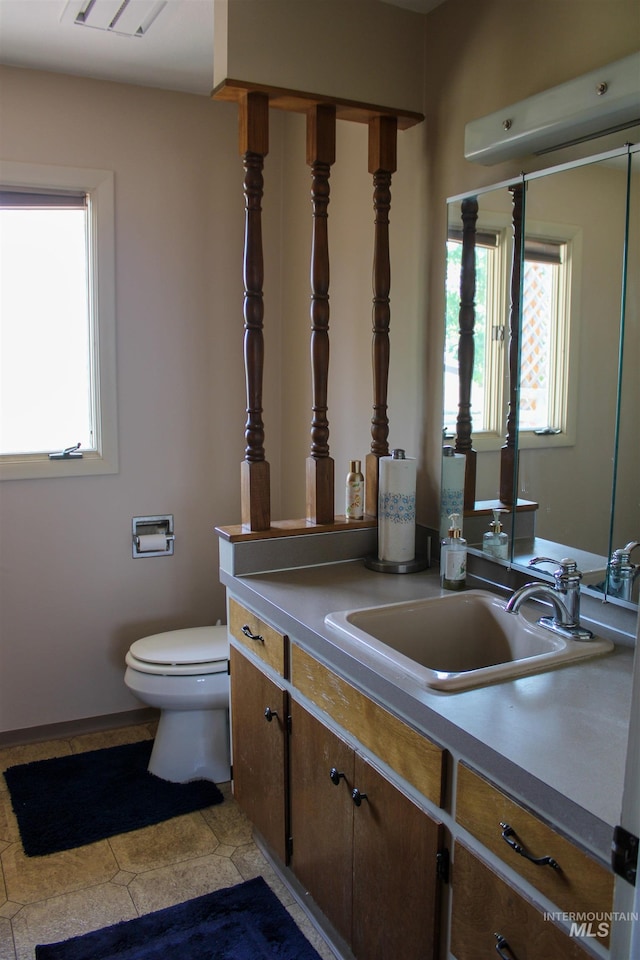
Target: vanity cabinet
column 259, row 718
column 577, row 884
column 306, row 741
column 490, row 917
column 369, row 860
column 409, row 753
column 365, row 852
column 484, row 904
column 259, row 711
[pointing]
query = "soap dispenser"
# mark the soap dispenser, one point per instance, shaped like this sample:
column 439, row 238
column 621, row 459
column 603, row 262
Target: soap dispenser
column 453, row 557
column 495, row 542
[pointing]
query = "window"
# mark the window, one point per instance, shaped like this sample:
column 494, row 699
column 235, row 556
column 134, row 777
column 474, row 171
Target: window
column 545, row 408
column 545, row 329
column 57, row 327
column 488, row 386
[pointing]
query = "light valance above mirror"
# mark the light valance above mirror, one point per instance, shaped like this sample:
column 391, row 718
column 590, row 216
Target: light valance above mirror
column 599, row 102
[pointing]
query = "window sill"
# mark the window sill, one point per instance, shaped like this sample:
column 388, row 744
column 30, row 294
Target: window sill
column 40, row 467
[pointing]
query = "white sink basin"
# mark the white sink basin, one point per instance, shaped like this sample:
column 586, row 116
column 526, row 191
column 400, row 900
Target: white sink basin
column 457, row 641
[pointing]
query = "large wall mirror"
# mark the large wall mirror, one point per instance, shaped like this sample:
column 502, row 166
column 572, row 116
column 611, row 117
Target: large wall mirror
column 563, row 348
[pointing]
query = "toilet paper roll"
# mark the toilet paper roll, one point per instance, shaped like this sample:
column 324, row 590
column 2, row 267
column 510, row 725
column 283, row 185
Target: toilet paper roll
column 152, row 543
column 452, row 495
column 396, row 510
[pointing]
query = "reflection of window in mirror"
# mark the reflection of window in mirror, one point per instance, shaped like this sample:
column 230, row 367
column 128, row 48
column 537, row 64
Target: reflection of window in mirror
column 546, row 409
column 488, row 386
column 545, row 334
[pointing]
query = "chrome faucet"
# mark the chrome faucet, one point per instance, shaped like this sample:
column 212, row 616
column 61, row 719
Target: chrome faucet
column 622, row 573
column 564, row 595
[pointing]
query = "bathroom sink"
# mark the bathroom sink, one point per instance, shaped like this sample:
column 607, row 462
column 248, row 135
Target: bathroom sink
column 457, row 641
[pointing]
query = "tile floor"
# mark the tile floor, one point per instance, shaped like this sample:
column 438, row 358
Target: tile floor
column 46, row 899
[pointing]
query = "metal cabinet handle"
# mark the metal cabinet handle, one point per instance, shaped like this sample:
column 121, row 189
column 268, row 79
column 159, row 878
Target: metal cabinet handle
column 335, row 776
column 252, row 636
column 509, row 834
column 269, row 714
column 358, row 797
column 501, row 946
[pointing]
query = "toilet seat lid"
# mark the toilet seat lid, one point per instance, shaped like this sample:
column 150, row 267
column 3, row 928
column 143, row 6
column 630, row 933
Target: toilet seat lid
column 189, row 646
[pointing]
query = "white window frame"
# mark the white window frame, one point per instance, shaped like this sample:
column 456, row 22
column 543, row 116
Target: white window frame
column 496, row 361
column 563, row 398
column 99, row 186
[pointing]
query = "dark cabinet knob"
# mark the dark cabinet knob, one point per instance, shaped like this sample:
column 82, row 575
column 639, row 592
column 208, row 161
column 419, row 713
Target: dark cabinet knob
column 357, row 797
column 269, row 714
column 335, row 776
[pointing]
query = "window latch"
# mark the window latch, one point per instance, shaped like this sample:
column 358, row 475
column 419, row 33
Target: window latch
column 69, row 453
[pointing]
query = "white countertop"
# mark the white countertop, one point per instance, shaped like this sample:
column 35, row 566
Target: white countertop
column 557, row 740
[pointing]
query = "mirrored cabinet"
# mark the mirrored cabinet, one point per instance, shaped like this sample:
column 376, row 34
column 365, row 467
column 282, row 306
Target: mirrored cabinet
column 542, row 365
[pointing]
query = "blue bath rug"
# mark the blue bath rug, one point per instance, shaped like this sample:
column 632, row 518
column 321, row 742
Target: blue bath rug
column 71, row 801
column 246, row 922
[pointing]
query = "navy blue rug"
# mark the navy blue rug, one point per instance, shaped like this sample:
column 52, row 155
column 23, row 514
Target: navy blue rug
column 246, row 922
column 71, row 801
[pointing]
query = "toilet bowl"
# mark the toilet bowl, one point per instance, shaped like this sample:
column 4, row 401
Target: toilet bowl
column 184, row 673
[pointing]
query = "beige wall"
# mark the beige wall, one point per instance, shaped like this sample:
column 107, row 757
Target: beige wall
column 72, row 597
column 327, row 47
column 480, row 58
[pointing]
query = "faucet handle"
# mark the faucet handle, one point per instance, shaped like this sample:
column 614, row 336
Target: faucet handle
column 566, row 572
column 566, row 565
column 623, row 554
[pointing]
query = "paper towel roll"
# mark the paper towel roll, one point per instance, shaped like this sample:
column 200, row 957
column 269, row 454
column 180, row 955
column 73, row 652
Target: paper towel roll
column 452, row 495
column 396, row 509
column 152, row 543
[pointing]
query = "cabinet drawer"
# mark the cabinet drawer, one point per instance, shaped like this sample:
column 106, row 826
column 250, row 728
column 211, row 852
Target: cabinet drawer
column 579, row 884
column 259, row 637
column 406, row 751
column 485, row 907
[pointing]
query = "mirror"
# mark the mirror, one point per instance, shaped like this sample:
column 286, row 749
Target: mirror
column 577, row 459
column 626, row 508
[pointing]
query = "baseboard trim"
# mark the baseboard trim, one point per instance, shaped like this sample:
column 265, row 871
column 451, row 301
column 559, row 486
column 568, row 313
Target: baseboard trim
column 75, row 728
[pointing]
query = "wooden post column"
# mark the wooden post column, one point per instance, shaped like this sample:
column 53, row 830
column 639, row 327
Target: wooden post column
column 382, row 164
column 254, row 146
column 321, row 154
column 466, row 347
column 508, row 453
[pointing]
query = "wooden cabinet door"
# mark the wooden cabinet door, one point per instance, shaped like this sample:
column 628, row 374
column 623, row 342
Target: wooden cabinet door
column 395, row 886
column 322, row 816
column 259, row 749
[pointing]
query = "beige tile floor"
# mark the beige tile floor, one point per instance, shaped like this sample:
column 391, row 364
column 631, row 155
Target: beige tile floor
column 46, row 899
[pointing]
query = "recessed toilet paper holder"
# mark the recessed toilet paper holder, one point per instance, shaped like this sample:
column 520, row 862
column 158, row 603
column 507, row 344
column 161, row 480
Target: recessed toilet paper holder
column 147, row 527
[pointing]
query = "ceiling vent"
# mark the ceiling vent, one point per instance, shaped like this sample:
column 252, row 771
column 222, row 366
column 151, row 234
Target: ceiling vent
column 129, row 18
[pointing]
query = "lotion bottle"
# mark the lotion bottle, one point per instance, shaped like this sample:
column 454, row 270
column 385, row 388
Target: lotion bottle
column 354, row 492
column 495, row 542
column 453, row 557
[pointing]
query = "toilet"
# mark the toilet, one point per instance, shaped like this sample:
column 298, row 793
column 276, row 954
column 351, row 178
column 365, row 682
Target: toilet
column 185, row 674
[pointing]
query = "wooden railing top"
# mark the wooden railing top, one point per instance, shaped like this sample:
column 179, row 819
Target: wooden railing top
column 297, row 101
column 291, row 528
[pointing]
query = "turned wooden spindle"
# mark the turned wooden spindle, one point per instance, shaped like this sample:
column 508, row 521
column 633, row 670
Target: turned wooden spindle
column 509, row 453
column 466, row 348
column 382, row 164
column 321, row 154
column 254, row 146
